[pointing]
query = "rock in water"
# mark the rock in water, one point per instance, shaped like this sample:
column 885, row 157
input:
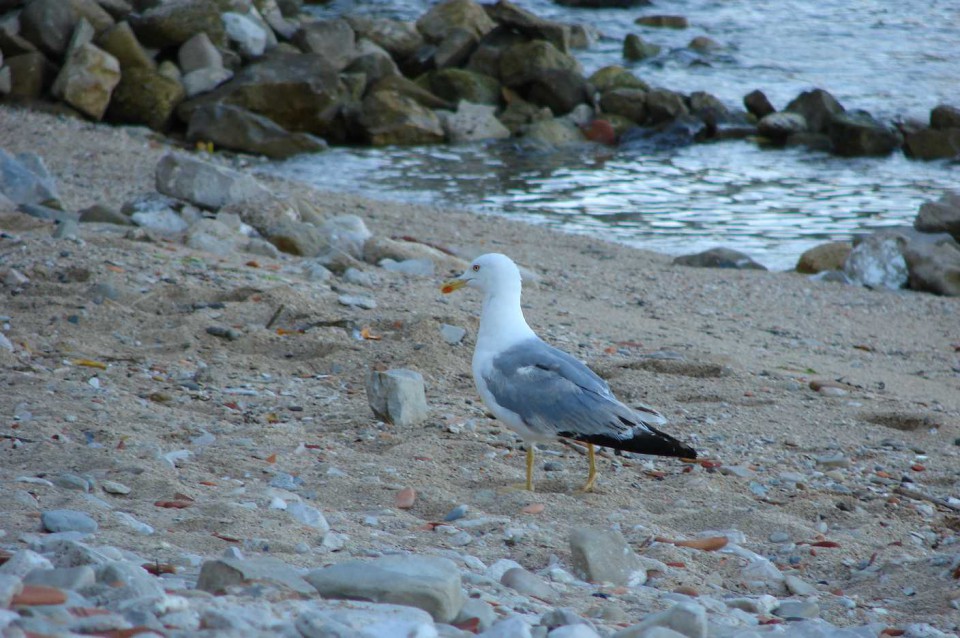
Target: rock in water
column 397, row 396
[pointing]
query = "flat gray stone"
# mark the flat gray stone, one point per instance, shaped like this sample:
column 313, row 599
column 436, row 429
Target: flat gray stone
column 798, row 610
column 427, row 582
column 71, row 578
column 687, row 619
column 602, row 555
column 336, row 619
column 798, row 586
column 68, row 521
column 528, row 584
column 452, row 334
column 10, row 586
column 397, row 396
column 217, row 575
column 24, row 179
column 23, row 562
column 309, row 515
column 204, row 184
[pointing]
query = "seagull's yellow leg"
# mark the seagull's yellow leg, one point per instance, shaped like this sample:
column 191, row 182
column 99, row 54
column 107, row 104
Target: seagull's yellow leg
column 592, row 474
column 530, row 467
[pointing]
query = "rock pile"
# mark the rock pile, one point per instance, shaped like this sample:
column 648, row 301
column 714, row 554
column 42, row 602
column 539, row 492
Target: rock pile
column 260, row 76
column 925, row 257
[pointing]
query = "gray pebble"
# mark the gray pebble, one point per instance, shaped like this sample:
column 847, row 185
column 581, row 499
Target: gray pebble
column 68, row 521
column 72, row 482
column 113, row 487
column 456, row 513
column 779, row 537
column 357, row 301
column 452, row 334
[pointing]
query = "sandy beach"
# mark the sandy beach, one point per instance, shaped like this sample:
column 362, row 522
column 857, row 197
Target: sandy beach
column 827, row 415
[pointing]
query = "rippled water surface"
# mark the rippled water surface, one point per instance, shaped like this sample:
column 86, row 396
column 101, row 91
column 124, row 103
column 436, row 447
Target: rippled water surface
column 892, row 59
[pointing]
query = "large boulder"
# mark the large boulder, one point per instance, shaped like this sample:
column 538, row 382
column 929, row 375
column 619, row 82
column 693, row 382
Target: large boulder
column 857, row 133
column 616, row 77
column 817, row 107
column 300, row 92
column 49, row 24
column 455, row 85
column 945, row 116
column 400, row 39
column 934, row 264
column 391, row 118
column 719, row 258
column 454, row 14
column 630, row 103
column 333, row 40
column 941, row 216
column 561, row 90
column 780, row 125
column 932, row 143
column 172, row 23
column 413, row 91
column 552, row 133
column 829, row 256
column 758, row 104
column 373, row 62
column 472, row 122
column 235, row 128
column 145, row 96
column 518, row 19
column 664, row 105
column 455, row 49
column 523, row 63
column 636, row 48
column 877, row 261
column 121, row 42
column 87, row 80
column 30, row 75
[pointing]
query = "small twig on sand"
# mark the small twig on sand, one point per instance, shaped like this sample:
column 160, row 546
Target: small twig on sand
column 276, row 315
column 920, row 496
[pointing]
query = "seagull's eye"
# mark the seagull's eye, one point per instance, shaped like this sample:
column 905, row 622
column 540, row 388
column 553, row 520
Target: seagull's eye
column 476, row 267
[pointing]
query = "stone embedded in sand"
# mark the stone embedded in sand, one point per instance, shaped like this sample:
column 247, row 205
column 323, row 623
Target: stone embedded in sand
column 204, row 184
column 397, row 396
column 528, row 584
column 217, row 575
column 687, row 619
column 719, row 258
column 602, row 555
column 360, row 618
column 68, row 521
column 427, row 582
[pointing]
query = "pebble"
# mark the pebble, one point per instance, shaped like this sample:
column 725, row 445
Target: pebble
column 72, row 482
column 357, row 301
column 308, row 515
column 779, row 537
column 524, row 582
column 397, row 396
column 799, row 587
column 797, row 610
column 601, row 555
column 687, row 619
column 68, row 521
column 429, row 583
column 452, row 334
column 456, row 513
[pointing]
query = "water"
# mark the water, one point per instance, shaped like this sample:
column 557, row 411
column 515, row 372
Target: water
column 894, row 60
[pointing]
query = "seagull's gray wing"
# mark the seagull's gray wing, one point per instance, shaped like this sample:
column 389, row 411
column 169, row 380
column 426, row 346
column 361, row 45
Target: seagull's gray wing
column 556, row 395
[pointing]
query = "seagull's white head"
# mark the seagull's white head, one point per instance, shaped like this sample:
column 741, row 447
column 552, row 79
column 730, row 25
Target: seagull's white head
column 489, row 274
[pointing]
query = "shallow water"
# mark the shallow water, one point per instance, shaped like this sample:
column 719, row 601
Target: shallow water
column 892, row 60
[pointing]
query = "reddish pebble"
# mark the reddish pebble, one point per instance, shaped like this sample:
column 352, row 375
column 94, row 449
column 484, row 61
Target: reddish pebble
column 916, row 467
column 87, row 612
column 38, row 595
column 687, row 591
column 676, row 564
column 406, row 498
column 600, row 131
column 709, row 464
column 534, row 508
column 176, row 505
column 892, row 631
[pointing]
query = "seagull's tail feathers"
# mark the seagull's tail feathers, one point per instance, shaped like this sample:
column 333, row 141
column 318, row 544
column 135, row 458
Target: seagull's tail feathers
column 637, row 435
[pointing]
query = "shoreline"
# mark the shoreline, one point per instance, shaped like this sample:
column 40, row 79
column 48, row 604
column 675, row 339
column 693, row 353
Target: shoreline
column 814, row 398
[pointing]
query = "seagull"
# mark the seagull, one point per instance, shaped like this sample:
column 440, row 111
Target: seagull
column 543, row 393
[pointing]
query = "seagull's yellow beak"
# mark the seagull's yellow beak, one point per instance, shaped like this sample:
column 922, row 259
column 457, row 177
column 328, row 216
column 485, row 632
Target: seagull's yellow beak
column 452, row 284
